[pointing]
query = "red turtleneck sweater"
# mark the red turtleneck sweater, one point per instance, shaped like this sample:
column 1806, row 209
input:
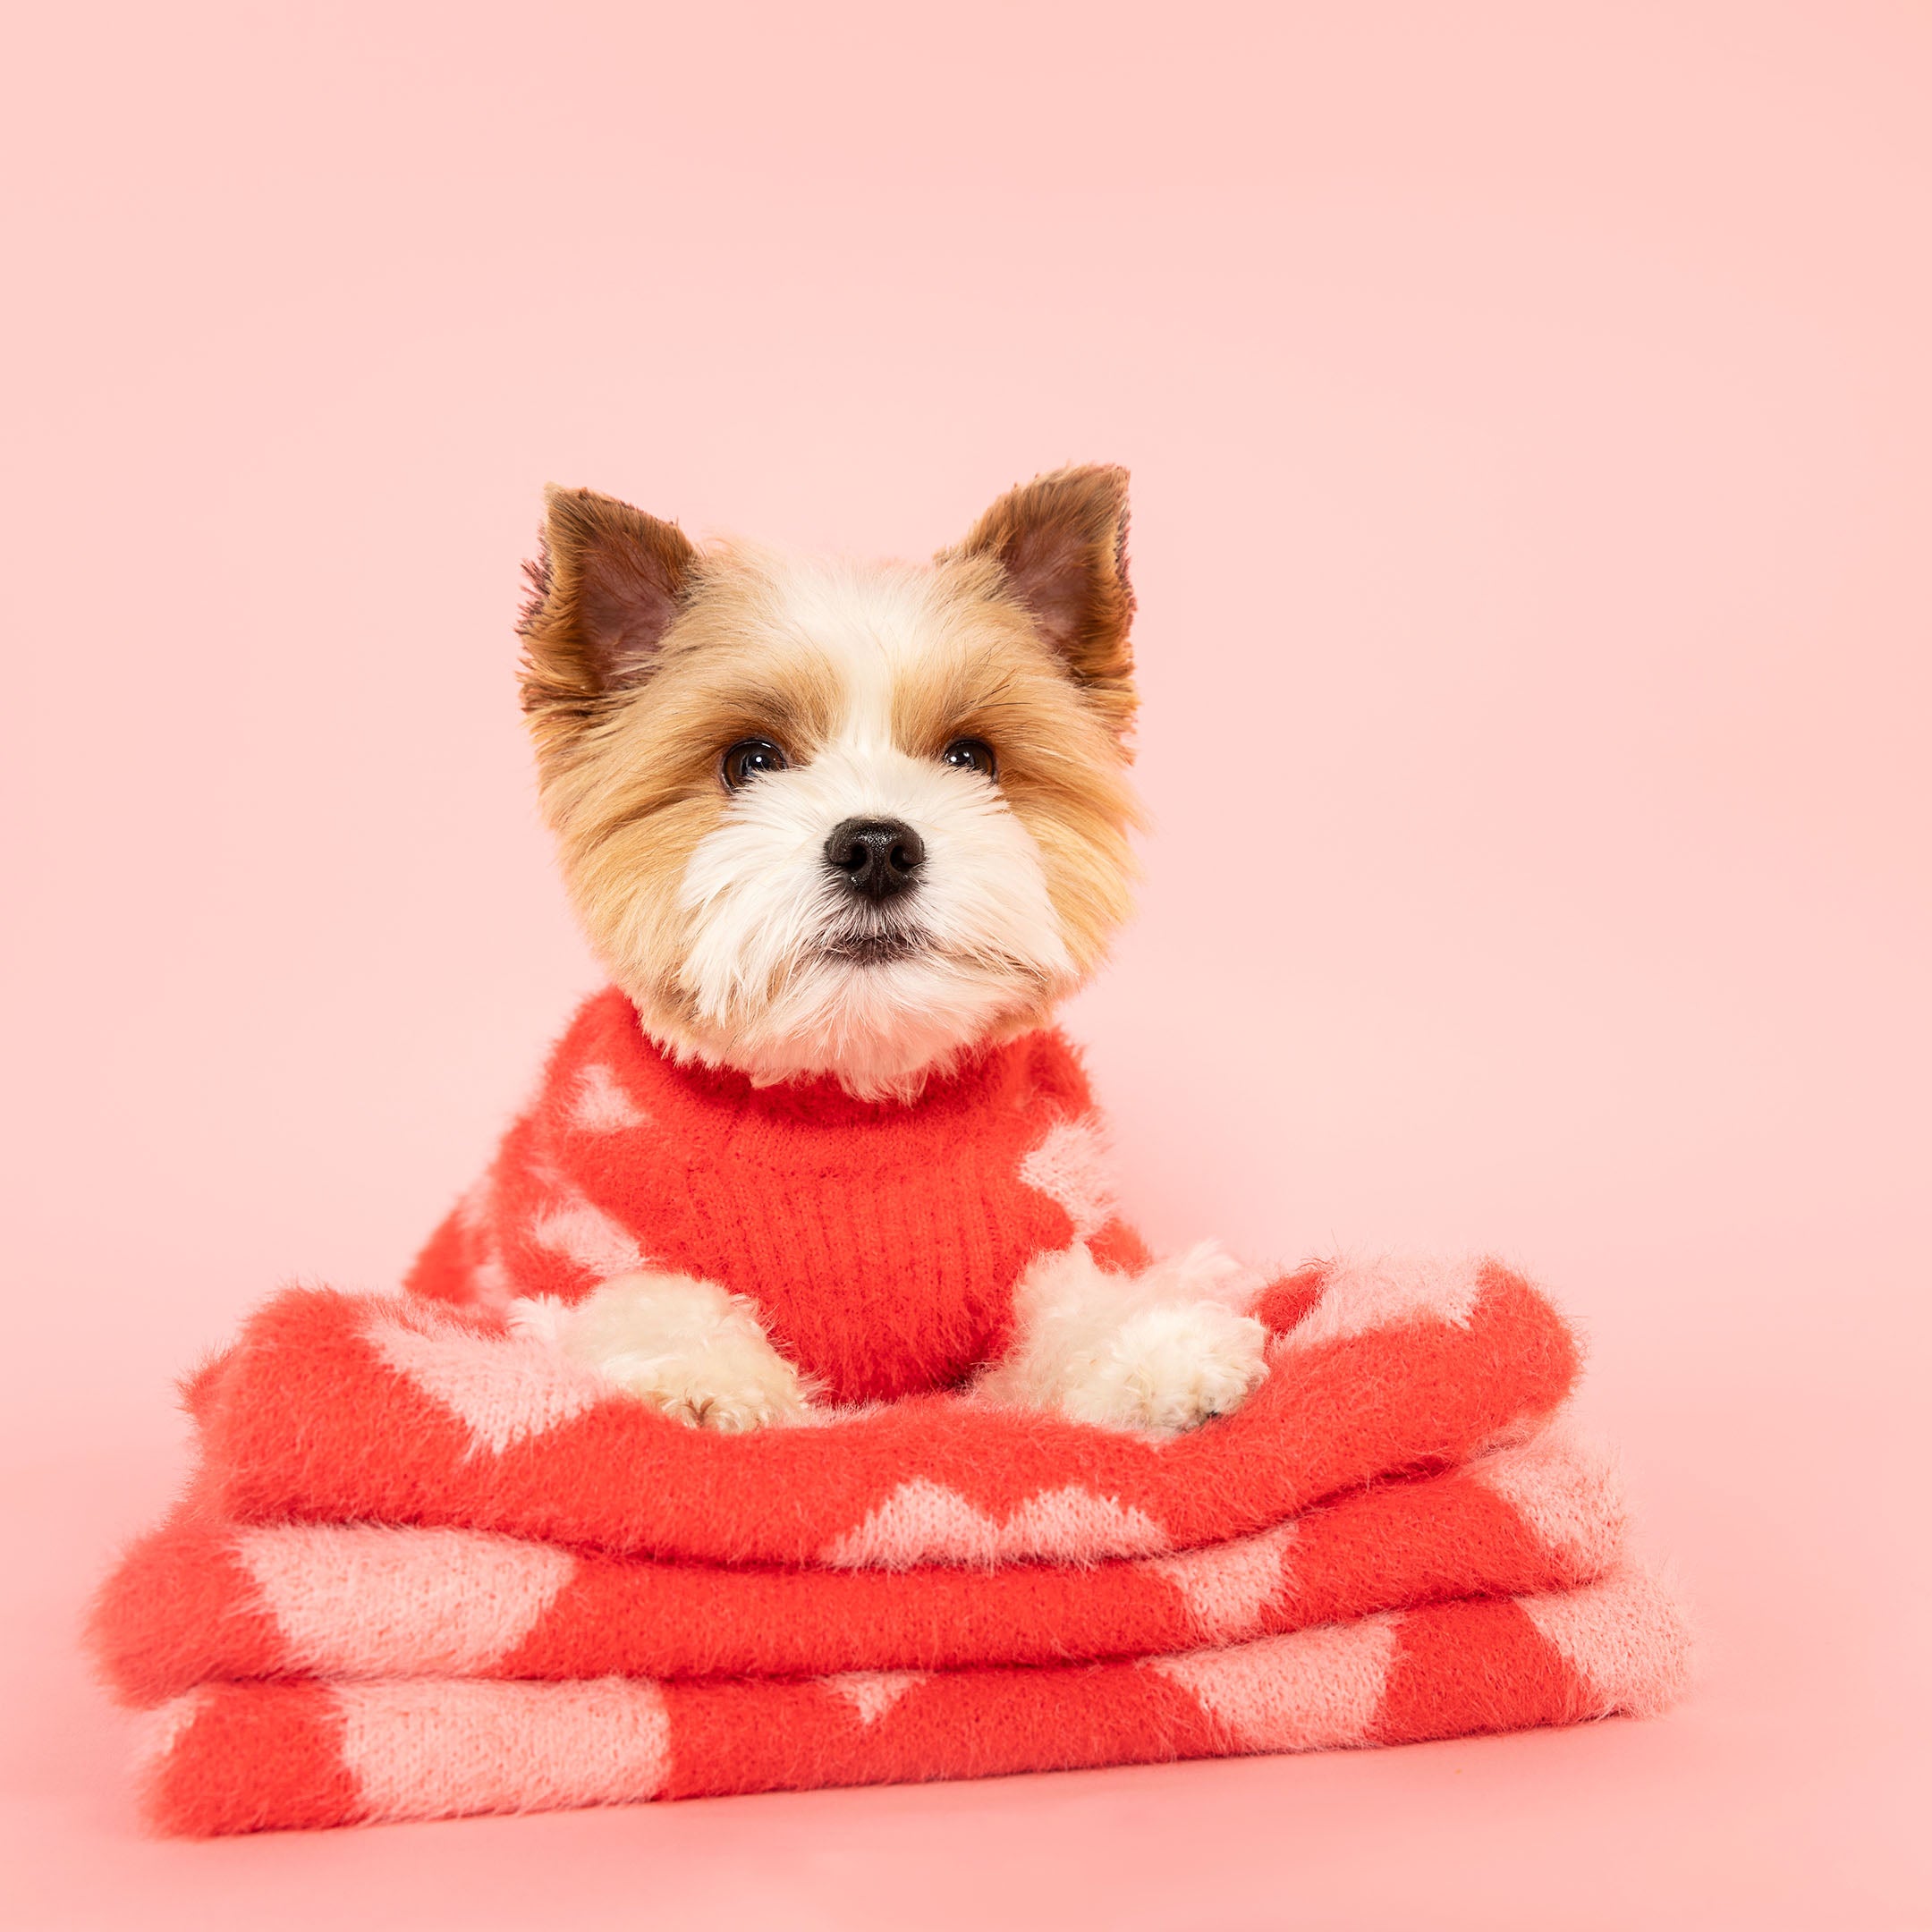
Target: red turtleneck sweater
column 880, row 1239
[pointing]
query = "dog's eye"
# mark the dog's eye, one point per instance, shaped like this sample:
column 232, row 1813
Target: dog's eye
column 750, row 756
column 971, row 754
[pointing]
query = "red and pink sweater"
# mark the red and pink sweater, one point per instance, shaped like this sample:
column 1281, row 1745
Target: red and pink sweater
column 882, row 1241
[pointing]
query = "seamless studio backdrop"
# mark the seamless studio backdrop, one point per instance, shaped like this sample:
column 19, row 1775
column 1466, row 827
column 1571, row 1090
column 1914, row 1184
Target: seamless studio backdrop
column 1529, row 419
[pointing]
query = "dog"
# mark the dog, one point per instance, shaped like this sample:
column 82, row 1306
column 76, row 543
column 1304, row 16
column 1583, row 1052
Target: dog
column 844, row 837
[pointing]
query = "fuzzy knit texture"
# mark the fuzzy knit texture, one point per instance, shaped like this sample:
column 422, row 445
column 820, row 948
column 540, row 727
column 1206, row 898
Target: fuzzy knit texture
column 429, row 1565
column 338, row 1408
column 229, row 1758
column 881, row 1242
column 206, row 1600
column 428, row 1568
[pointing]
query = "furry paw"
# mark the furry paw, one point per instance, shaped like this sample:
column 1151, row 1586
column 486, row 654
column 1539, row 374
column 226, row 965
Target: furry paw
column 1169, row 1367
column 687, row 1348
column 1161, row 1350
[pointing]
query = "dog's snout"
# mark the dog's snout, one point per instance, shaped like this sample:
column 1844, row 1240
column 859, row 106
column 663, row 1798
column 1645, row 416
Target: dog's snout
column 877, row 857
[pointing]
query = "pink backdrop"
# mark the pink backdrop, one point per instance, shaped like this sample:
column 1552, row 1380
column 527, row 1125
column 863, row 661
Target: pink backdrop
column 1530, row 414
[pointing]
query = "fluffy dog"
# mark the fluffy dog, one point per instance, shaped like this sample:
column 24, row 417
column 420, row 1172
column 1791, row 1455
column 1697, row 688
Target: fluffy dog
column 843, row 836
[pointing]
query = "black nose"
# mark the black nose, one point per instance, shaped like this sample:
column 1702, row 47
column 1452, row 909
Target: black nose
column 877, row 856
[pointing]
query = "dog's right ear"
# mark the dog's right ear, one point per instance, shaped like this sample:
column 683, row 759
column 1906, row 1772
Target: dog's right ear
column 605, row 589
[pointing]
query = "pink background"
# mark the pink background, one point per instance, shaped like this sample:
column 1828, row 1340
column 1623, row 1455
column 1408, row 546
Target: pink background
column 1530, row 414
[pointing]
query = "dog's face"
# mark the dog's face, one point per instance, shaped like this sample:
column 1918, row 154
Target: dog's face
column 824, row 818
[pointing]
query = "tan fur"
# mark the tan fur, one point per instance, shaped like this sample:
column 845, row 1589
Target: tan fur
column 1060, row 542
column 630, row 791
column 647, row 658
column 603, row 590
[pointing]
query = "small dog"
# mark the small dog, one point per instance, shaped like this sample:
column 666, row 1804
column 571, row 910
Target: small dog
column 844, row 837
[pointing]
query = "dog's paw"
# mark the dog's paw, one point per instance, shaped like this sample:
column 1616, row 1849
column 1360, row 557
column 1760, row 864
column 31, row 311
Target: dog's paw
column 706, row 1395
column 1169, row 1367
column 688, row 1349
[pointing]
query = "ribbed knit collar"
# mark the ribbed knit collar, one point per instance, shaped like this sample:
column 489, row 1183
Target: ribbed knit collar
column 986, row 1079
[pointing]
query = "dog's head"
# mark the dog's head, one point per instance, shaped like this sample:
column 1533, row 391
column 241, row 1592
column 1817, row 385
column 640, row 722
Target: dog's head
column 825, row 818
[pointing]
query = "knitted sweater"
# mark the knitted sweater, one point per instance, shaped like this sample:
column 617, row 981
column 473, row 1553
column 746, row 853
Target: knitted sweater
column 881, row 1240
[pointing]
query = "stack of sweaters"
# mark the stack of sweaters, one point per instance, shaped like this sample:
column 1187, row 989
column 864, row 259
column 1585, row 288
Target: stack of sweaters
column 430, row 1566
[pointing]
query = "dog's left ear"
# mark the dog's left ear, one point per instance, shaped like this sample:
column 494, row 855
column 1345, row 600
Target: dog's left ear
column 1062, row 543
